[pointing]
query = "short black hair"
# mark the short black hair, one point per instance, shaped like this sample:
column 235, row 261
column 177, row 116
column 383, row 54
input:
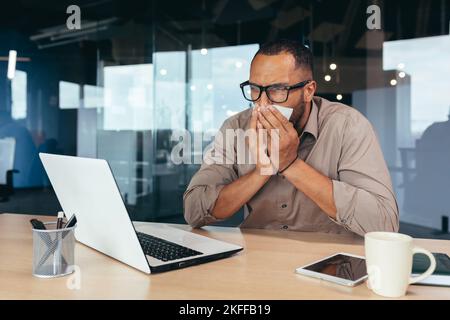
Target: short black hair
column 301, row 53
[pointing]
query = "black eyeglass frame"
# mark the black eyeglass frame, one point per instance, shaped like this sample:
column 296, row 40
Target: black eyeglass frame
column 265, row 88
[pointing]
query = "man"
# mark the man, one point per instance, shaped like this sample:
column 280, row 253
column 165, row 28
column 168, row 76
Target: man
column 331, row 177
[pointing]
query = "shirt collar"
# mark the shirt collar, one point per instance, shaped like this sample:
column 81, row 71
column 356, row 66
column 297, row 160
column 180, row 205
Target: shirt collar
column 312, row 125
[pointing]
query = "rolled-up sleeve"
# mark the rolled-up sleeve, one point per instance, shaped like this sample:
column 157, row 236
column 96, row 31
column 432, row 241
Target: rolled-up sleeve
column 216, row 171
column 363, row 193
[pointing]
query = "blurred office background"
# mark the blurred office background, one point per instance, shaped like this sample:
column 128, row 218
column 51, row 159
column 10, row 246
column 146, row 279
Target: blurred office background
column 137, row 71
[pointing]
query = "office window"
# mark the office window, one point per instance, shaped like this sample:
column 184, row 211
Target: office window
column 170, row 90
column 19, row 95
column 128, row 97
column 93, row 96
column 69, row 95
column 214, row 87
column 427, row 62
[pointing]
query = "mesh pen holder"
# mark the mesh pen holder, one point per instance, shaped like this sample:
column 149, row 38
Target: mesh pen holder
column 53, row 251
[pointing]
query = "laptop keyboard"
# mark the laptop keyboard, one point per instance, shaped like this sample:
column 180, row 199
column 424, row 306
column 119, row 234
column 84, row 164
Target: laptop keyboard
column 164, row 250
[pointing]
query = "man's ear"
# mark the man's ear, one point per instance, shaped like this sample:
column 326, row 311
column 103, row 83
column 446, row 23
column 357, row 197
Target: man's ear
column 310, row 90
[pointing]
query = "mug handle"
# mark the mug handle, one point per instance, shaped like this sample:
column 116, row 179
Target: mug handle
column 430, row 269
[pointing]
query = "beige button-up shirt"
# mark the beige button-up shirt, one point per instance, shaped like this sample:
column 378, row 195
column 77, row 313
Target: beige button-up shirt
column 339, row 142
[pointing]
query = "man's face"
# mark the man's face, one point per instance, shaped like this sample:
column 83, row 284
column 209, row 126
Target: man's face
column 281, row 70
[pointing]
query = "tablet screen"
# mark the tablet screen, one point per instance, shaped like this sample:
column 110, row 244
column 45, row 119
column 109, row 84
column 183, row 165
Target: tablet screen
column 341, row 266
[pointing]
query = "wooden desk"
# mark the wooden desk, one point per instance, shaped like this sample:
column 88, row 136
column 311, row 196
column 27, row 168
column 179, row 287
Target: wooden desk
column 263, row 270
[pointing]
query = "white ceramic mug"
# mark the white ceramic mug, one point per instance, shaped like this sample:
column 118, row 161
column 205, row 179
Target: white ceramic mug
column 389, row 259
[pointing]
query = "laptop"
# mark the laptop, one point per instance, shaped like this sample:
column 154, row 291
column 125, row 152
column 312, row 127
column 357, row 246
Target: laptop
column 87, row 189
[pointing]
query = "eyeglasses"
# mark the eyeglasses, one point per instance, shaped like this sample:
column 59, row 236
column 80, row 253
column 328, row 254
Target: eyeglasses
column 275, row 92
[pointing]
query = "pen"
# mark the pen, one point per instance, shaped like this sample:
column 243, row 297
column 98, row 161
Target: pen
column 57, row 256
column 39, row 225
column 59, row 222
column 71, row 222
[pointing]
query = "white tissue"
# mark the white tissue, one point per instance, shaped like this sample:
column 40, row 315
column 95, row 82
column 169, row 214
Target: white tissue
column 286, row 112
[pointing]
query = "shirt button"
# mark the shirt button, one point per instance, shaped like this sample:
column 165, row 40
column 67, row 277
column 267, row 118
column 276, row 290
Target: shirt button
column 284, row 205
column 343, row 220
column 285, row 227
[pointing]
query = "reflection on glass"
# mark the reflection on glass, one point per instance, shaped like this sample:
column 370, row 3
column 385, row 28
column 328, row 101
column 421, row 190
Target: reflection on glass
column 7, row 152
column 128, row 97
column 341, row 266
column 214, row 89
column 426, row 61
column 424, row 166
column 170, row 90
column 69, row 95
column 93, row 96
column 19, row 95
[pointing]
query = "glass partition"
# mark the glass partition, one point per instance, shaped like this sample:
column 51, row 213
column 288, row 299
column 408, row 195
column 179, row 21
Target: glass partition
column 139, row 75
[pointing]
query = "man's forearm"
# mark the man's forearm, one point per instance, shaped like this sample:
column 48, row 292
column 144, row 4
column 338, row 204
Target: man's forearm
column 234, row 195
column 313, row 184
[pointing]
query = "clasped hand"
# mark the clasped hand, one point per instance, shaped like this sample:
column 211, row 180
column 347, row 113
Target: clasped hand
column 279, row 142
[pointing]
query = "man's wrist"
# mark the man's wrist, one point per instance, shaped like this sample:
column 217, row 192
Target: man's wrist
column 286, row 166
column 291, row 168
column 262, row 173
